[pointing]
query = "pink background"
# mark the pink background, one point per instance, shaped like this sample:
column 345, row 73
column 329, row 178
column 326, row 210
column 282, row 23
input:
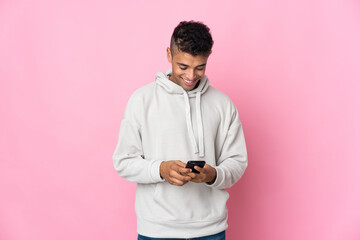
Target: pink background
column 67, row 69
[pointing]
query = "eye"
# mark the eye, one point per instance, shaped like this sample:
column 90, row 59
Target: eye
column 200, row 69
column 183, row 68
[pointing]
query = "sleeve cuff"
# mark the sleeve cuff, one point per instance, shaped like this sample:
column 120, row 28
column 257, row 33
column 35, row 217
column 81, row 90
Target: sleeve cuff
column 219, row 178
column 155, row 171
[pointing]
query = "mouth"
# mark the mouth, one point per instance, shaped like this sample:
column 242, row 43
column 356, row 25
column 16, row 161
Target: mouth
column 188, row 83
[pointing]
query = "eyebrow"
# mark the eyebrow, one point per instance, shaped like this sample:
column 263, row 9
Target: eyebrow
column 184, row 65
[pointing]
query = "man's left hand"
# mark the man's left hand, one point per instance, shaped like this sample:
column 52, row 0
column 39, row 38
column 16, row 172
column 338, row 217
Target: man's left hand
column 207, row 174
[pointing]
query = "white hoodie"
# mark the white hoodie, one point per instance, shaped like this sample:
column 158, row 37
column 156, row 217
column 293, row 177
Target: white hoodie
column 164, row 122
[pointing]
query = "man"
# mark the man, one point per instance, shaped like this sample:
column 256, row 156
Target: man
column 177, row 118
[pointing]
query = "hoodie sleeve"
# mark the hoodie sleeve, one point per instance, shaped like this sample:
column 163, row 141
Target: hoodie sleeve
column 128, row 156
column 233, row 160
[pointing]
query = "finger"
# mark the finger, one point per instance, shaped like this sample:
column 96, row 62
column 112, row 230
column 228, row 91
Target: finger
column 197, row 179
column 176, row 182
column 192, row 175
column 201, row 170
column 180, row 163
column 178, row 176
column 184, row 170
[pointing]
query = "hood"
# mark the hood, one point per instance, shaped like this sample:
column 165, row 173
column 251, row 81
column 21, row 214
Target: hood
column 163, row 80
column 172, row 88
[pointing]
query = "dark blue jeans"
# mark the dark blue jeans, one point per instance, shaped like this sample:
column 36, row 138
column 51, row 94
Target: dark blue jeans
column 218, row 236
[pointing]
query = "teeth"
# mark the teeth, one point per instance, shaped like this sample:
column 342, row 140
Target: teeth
column 188, row 81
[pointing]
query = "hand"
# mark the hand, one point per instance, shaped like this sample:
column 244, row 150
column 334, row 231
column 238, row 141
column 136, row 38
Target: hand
column 175, row 173
column 207, row 174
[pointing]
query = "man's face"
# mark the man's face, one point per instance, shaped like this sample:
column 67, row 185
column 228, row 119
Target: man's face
column 187, row 69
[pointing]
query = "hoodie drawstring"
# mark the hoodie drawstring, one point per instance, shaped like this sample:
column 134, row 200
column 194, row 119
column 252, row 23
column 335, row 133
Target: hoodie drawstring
column 199, row 123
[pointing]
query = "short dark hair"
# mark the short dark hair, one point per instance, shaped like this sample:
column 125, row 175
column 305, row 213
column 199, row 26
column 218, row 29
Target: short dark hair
column 192, row 37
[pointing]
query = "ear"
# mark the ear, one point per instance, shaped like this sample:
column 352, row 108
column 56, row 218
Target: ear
column 168, row 53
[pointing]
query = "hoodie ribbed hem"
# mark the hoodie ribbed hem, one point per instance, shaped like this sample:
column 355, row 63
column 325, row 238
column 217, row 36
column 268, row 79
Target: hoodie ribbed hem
column 178, row 229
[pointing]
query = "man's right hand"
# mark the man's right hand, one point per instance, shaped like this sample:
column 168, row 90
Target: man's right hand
column 172, row 172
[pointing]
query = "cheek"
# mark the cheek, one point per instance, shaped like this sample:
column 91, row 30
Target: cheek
column 176, row 70
column 201, row 73
column 180, row 73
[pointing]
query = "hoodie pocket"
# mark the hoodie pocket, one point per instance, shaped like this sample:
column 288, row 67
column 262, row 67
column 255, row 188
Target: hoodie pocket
column 191, row 202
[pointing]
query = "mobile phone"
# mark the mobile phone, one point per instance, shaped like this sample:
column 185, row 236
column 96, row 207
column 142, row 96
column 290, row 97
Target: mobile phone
column 192, row 163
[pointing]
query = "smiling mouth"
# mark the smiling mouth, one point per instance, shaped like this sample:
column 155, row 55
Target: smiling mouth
column 187, row 82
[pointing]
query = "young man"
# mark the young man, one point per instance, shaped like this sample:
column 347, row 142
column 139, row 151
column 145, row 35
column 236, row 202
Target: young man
column 177, row 118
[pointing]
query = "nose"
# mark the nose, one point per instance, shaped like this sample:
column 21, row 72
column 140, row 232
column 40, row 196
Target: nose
column 190, row 75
